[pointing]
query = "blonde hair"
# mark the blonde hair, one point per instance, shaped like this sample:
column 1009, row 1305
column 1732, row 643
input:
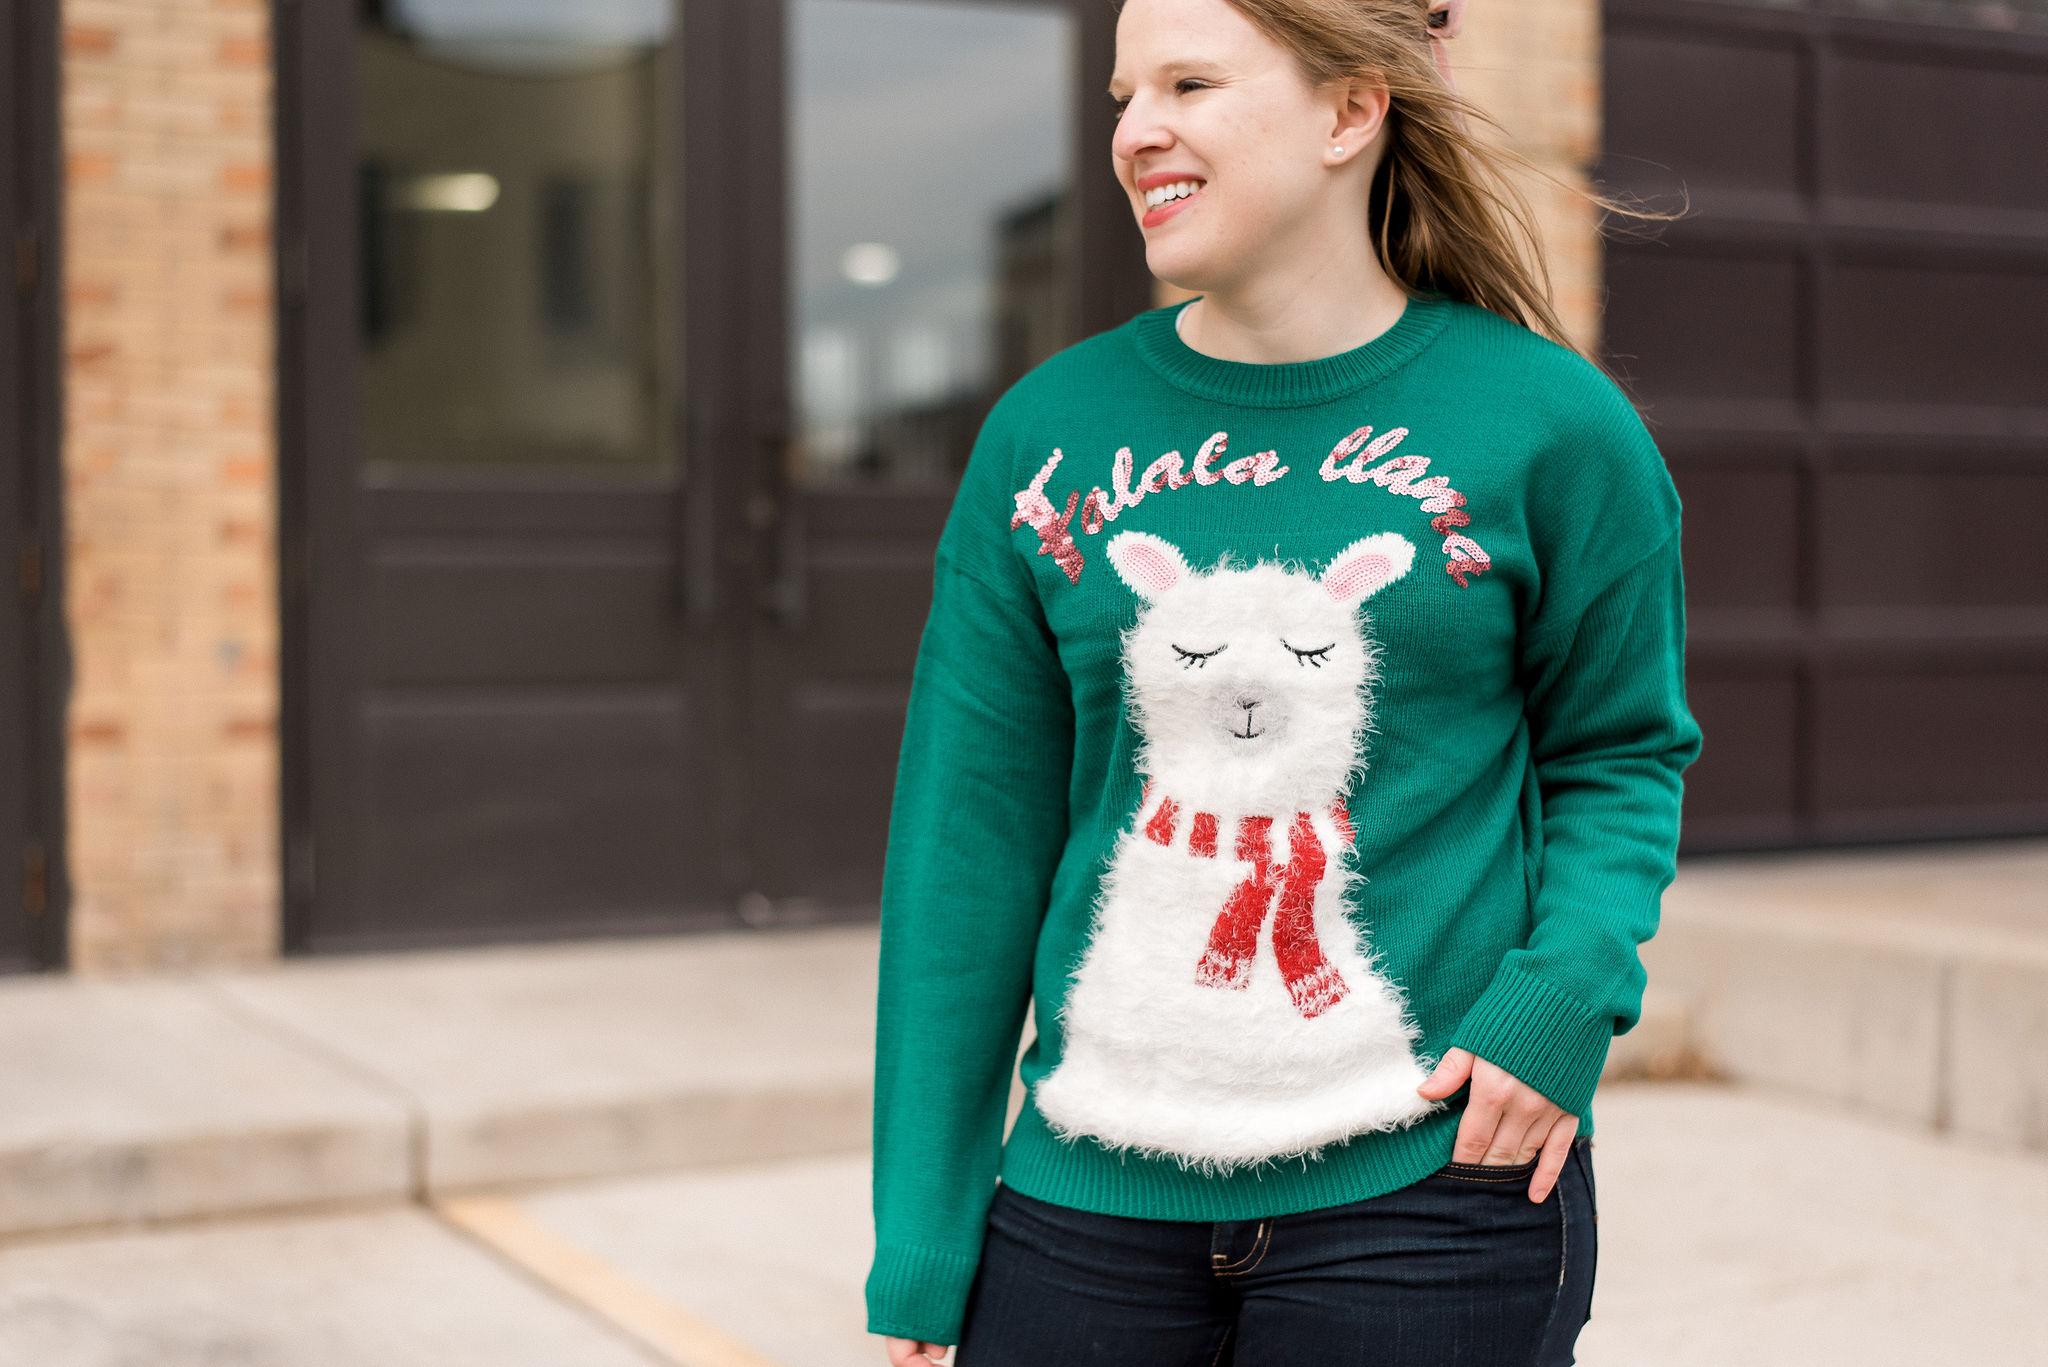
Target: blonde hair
column 1448, row 218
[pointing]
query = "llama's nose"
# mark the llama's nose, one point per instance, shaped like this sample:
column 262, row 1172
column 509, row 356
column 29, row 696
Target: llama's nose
column 1248, row 703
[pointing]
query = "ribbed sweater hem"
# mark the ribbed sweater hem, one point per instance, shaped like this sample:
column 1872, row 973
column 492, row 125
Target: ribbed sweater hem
column 1081, row 1174
column 919, row 1293
column 1542, row 1035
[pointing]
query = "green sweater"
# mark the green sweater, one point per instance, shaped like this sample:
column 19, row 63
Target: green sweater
column 1275, row 729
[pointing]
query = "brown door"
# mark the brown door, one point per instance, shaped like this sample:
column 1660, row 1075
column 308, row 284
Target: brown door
column 1843, row 353
column 583, row 633
column 30, row 930
column 500, row 711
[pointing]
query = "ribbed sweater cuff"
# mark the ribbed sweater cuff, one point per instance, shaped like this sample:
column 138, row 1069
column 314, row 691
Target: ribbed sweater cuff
column 919, row 1293
column 1541, row 1035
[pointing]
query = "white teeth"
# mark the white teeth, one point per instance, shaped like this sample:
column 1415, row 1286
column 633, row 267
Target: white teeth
column 1161, row 194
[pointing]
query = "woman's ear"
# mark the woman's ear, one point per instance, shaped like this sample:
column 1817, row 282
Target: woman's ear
column 1359, row 114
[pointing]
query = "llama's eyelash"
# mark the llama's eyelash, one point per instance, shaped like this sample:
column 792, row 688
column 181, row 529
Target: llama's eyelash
column 1191, row 659
column 1312, row 657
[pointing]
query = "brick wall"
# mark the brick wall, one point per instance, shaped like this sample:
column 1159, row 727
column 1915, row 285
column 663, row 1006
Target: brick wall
column 1534, row 66
column 168, row 465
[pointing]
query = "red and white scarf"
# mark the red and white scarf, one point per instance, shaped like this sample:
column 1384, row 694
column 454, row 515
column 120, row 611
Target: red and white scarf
column 1313, row 982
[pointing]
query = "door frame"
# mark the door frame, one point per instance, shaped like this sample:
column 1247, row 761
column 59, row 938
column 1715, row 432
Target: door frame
column 31, row 392
column 730, row 417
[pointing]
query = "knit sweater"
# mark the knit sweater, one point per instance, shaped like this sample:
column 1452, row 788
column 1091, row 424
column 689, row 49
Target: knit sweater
column 1275, row 729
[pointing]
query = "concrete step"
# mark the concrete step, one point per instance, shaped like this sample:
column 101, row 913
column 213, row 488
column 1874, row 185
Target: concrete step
column 400, row 1076
column 145, row 1101
column 1735, row 1227
column 1911, row 984
column 539, row 1063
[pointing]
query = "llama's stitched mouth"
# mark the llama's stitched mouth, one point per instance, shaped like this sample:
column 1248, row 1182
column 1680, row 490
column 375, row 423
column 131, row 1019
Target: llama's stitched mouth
column 1247, row 733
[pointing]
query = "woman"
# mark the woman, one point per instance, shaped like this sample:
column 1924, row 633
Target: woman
column 1299, row 728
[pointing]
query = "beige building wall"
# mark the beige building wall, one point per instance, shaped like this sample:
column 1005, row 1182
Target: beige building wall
column 168, row 467
column 1534, row 67
column 170, row 452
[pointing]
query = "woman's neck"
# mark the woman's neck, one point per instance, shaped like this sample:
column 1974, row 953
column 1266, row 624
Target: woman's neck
column 1328, row 309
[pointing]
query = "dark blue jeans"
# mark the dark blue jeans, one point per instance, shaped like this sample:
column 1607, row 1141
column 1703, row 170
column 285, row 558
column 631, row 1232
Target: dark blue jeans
column 1461, row 1269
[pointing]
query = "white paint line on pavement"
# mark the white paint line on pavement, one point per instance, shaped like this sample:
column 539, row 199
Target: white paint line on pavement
column 507, row 1230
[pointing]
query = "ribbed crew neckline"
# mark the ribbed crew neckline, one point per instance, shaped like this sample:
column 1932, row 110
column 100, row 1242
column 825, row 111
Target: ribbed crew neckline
column 1288, row 384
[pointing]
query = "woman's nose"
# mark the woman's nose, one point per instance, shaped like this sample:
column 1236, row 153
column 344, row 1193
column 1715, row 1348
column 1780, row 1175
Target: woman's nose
column 1138, row 133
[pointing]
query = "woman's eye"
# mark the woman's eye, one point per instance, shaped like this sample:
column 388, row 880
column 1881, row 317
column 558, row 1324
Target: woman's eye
column 1312, row 657
column 1185, row 85
column 1197, row 659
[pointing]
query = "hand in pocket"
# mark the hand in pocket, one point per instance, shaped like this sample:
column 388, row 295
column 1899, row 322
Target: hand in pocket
column 1506, row 1120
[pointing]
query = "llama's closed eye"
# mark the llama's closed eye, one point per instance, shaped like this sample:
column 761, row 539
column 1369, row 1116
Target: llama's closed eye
column 1312, row 657
column 1190, row 659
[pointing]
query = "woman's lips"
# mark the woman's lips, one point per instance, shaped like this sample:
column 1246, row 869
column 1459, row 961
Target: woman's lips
column 1154, row 217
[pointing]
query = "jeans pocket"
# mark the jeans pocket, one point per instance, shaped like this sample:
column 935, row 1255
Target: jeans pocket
column 1582, row 1154
column 1489, row 1175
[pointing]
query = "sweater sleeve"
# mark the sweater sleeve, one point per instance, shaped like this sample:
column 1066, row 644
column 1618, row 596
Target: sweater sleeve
column 975, row 834
column 1610, row 736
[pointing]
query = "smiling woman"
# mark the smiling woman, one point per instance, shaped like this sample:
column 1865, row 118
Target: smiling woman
column 1308, row 828
column 1444, row 211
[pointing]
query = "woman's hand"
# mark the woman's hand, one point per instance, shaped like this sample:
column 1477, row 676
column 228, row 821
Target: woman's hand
column 912, row 1353
column 1506, row 1120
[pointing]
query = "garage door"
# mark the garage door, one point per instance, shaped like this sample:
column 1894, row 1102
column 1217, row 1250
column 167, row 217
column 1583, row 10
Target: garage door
column 1843, row 352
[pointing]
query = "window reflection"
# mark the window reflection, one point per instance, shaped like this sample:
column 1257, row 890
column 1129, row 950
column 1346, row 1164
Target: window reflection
column 509, row 154
column 929, row 251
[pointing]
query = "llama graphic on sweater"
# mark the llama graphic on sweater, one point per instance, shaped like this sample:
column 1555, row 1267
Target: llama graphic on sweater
column 1226, row 1010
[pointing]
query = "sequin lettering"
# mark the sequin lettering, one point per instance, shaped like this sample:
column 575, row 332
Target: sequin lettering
column 1053, row 537
column 1360, row 457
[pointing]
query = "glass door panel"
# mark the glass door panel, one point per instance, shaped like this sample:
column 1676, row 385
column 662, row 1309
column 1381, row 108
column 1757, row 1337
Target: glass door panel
column 511, row 160
column 931, row 250
column 932, row 236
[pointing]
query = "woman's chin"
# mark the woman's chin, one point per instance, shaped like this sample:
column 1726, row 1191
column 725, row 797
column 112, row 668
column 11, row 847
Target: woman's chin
column 1178, row 267
column 1197, row 263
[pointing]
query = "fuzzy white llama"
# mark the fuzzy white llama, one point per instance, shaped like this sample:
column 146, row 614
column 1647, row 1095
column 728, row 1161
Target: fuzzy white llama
column 1227, row 1010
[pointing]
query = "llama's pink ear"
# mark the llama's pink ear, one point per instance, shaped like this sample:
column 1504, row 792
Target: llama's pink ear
column 1147, row 563
column 1365, row 567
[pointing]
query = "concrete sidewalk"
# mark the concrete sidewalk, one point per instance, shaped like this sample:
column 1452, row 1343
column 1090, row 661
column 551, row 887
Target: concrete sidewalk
column 1737, row 1227
column 1913, row 984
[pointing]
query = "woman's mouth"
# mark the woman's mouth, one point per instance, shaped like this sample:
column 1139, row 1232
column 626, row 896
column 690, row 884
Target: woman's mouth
column 1164, row 201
